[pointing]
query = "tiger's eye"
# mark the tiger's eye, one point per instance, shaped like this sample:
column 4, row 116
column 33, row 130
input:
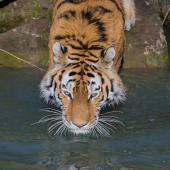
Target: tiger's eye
column 66, row 93
column 94, row 94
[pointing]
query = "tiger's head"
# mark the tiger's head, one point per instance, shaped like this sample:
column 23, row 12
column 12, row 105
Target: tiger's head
column 80, row 90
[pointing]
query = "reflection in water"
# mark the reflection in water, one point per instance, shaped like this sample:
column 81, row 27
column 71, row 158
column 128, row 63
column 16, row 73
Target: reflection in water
column 143, row 144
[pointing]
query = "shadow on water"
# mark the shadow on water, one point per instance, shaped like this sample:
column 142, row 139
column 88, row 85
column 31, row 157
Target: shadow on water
column 144, row 144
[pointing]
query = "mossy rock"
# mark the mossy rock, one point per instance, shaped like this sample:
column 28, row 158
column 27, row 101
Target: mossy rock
column 8, row 60
column 23, row 11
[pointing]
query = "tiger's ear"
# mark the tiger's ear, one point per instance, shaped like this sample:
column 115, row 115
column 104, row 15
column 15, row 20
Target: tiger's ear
column 57, row 53
column 109, row 55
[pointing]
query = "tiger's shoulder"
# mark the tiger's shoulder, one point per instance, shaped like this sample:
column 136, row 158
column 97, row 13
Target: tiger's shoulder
column 91, row 25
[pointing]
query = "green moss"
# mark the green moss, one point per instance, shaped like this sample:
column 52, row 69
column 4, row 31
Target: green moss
column 9, row 61
column 158, row 61
column 43, row 57
column 8, row 21
column 37, row 9
column 40, row 58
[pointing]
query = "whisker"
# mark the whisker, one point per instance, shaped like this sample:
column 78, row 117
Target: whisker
column 58, row 130
column 93, row 132
column 107, row 116
column 53, row 126
column 99, row 130
column 43, row 120
column 108, row 127
column 105, row 132
column 113, row 120
column 50, row 116
column 114, row 111
column 51, row 111
column 96, row 132
column 104, row 122
column 64, row 130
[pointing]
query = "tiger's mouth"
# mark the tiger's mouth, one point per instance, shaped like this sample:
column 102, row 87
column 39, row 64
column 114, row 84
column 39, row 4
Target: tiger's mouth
column 76, row 129
column 82, row 129
column 104, row 125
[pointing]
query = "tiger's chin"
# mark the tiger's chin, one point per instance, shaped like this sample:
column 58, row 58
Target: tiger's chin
column 73, row 129
column 80, row 131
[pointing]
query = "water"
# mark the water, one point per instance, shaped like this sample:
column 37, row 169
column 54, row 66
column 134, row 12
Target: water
column 144, row 144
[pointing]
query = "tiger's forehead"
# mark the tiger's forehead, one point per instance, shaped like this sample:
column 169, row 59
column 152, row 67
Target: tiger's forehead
column 87, row 73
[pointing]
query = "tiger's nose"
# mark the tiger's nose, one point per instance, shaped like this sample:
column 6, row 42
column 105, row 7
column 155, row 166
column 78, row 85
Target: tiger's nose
column 80, row 124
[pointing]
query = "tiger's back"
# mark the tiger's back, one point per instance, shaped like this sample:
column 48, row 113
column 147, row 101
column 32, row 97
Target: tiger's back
column 87, row 28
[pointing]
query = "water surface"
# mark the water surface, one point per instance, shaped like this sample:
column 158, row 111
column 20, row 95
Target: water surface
column 144, row 143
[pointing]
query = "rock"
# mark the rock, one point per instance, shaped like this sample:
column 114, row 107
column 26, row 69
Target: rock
column 28, row 41
column 23, row 11
column 24, row 29
column 146, row 43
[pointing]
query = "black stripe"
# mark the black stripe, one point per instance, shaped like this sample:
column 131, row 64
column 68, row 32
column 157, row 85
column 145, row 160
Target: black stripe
column 101, row 30
column 70, row 1
column 77, row 54
column 71, row 64
column 93, row 67
column 63, row 49
column 111, row 82
column 95, row 47
column 102, row 79
column 55, row 86
column 91, row 54
column 61, row 37
column 83, row 55
column 75, row 66
column 68, row 14
column 84, row 46
column 71, row 80
column 88, row 15
column 75, row 47
column 73, row 58
column 102, row 53
column 86, row 68
column 102, row 10
column 70, row 96
column 90, row 75
column 107, row 91
column 97, row 88
column 73, row 73
column 60, row 77
column 102, row 99
column 51, row 82
column 63, row 71
column 93, row 61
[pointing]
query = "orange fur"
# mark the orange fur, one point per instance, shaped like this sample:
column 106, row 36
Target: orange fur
column 88, row 36
column 113, row 21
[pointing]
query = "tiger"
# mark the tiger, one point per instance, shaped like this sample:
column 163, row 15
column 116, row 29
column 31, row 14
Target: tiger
column 86, row 44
